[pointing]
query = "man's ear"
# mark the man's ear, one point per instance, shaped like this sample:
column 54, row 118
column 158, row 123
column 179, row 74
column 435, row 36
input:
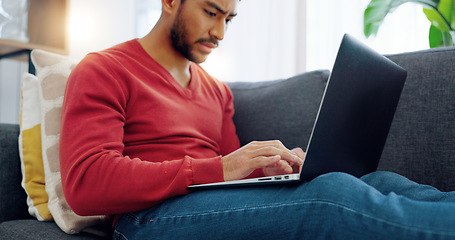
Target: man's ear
column 169, row 5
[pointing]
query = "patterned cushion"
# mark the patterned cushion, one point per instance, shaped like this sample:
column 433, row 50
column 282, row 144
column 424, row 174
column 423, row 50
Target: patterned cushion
column 53, row 71
column 30, row 150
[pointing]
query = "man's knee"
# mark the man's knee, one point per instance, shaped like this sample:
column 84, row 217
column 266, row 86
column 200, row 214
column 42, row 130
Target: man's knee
column 334, row 185
column 379, row 175
column 334, row 178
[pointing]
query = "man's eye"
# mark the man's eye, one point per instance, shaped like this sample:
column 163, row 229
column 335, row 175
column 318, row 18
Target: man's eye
column 211, row 14
column 228, row 20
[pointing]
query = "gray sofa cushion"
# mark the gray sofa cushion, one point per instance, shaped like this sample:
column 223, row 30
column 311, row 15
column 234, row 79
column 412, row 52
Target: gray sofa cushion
column 421, row 142
column 282, row 109
column 33, row 229
column 13, row 204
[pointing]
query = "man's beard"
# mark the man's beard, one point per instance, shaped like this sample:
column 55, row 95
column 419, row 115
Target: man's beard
column 180, row 43
column 178, row 39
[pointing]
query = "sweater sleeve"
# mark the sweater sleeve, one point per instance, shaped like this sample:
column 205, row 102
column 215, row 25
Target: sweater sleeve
column 96, row 177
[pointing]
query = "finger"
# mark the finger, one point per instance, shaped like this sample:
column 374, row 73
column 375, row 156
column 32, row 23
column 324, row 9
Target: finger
column 273, row 143
column 299, row 152
column 282, row 167
column 289, row 154
column 264, row 161
column 285, row 154
column 296, row 168
column 275, row 147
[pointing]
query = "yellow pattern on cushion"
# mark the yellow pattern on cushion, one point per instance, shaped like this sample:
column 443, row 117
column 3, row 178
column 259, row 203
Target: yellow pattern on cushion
column 30, row 150
column 34, row 173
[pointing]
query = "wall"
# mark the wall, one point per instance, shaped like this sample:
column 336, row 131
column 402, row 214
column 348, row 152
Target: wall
column 94, row 25
column 10, row 72
column 406, row 29
column 266, row 41
column 99, row 24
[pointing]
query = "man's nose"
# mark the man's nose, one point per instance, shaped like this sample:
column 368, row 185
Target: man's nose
column 218, row 30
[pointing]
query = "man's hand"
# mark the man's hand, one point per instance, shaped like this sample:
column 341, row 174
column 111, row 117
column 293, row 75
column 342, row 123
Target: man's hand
column 284, row 167
column 272, row 156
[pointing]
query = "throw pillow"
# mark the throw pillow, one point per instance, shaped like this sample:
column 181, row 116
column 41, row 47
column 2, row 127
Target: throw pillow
column 30, row 149
column 53, row 71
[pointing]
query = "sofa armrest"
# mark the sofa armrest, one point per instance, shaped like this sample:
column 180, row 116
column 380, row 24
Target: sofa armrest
column 12, row 196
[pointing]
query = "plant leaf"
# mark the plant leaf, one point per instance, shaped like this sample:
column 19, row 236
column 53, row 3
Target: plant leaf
column 436, row 19
column 447, row 8
column 447, row 39
column 435, row 37
column 377, row 10
column 443, row 23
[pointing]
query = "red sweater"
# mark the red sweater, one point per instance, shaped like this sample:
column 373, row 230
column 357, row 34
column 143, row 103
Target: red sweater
column 131, row 136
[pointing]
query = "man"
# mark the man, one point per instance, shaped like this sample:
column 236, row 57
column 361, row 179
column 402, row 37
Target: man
column 142, row 121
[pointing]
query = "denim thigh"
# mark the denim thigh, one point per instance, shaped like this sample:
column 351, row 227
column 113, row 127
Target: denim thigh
column 332, row 206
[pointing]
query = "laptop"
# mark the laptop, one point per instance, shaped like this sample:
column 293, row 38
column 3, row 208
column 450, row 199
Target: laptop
column 353, row 120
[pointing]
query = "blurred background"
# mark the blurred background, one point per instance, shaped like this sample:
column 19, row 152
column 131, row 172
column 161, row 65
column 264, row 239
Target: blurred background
column 268, row 40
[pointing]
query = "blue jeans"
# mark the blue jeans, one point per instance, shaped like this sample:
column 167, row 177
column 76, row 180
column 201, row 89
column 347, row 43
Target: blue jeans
column 381, row 205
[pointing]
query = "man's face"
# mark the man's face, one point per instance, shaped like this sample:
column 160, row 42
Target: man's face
column 199, row 26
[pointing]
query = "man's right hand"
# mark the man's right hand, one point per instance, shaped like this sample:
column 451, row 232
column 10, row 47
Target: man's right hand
column 267, row 154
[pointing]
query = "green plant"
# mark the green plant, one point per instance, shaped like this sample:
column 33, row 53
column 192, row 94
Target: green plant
column 441, row 14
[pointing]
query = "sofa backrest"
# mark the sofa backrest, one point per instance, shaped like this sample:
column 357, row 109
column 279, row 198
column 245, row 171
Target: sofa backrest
column 282, row 109
column 421, row 142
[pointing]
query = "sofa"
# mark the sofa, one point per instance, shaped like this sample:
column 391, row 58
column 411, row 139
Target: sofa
column 420, row 145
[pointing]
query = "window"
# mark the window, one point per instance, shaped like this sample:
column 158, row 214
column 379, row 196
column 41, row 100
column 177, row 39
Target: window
column 260, row 40
column 270, row 40
column 404, row 30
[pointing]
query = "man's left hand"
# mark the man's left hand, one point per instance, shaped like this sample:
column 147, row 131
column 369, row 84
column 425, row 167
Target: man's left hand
column 284, row 167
